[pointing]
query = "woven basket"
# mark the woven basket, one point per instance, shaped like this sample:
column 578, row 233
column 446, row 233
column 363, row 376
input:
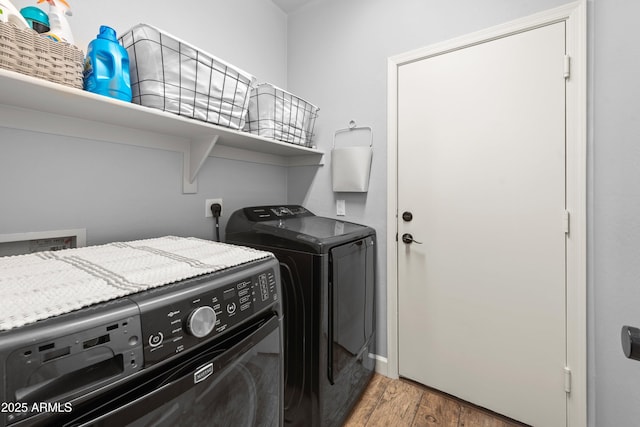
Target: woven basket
column 27, row 52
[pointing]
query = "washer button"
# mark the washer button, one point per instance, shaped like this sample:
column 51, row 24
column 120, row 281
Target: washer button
column 156, row 340
column 231, row 308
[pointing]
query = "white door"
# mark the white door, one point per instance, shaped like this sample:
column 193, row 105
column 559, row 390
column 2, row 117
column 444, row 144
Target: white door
column 481, row 168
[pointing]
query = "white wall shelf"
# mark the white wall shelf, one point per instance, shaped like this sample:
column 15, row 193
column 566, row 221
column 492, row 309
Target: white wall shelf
column 33, row 104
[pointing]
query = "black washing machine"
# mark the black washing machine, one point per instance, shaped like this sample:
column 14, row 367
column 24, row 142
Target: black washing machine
column 205, row 351
column 328, row 274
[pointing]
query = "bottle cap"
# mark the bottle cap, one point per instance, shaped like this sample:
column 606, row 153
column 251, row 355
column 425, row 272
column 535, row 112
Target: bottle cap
column 107, row 33
column 36, row 18
column 36, row 14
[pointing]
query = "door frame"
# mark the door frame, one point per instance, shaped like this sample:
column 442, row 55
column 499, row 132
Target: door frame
column 575, row 16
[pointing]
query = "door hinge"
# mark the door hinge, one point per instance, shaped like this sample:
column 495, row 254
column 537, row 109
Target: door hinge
column 567, row 66
column 567, row 379
column 566, row 222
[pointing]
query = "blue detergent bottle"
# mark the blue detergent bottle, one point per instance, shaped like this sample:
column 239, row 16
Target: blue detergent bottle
column 106, row 67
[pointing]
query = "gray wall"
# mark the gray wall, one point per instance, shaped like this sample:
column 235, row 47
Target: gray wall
column 615, row 239
column 337, row 59
column 120, row 192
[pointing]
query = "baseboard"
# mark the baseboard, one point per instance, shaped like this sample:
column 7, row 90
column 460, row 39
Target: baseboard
column 381, row 364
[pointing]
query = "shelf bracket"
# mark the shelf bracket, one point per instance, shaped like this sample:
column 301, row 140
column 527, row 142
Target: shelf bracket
column 195, row 155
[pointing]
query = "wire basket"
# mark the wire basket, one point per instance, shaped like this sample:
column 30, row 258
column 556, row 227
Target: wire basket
column 171, row 75
column 277, row 114
column 27, row 52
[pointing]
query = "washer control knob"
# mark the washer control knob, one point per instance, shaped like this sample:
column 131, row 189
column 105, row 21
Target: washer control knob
column 201, row 321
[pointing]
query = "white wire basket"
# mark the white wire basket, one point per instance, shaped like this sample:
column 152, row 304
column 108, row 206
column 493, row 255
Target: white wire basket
column 172, row 75
column 277, row 114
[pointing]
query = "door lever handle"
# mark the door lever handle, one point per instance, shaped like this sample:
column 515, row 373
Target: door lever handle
column 408, row 238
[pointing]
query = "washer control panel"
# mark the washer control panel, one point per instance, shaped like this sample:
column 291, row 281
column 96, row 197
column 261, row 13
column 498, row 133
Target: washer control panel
column 269, row 213
column 182, row 319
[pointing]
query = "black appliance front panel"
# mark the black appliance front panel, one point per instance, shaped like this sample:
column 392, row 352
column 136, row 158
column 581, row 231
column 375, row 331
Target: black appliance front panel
column 234, row 381
column 53, row 364
column 165, row 331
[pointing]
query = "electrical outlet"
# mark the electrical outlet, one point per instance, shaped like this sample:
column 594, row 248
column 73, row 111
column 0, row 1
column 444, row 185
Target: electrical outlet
column 341, row 208
column 207, row 207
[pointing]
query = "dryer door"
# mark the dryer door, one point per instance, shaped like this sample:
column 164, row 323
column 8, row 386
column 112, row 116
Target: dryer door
column 351, row 304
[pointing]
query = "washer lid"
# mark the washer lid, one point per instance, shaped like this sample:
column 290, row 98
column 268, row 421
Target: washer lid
column 315, row 232
column 314, row 227
column 291, row 227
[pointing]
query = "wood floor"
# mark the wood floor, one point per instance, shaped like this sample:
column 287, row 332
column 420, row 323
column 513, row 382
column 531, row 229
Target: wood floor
column 398, row 403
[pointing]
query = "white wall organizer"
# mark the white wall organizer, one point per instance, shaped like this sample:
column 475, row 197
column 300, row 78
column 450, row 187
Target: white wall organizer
column 351, row 166
column 37, row 105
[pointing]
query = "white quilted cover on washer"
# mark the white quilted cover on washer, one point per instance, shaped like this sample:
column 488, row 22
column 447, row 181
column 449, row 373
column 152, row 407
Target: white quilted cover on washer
column 45, row 284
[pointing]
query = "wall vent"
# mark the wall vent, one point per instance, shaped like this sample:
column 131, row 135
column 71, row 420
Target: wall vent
column 38, row 241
